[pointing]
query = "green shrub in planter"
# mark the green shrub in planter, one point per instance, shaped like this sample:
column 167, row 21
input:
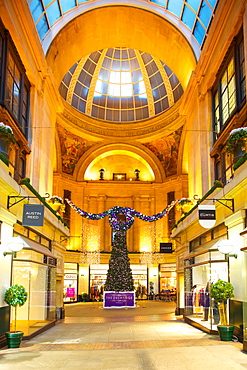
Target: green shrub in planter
column 84, row 297
column 221, row 291
column 14, row 296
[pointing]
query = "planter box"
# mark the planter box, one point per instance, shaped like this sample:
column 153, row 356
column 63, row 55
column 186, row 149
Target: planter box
column 119, row 300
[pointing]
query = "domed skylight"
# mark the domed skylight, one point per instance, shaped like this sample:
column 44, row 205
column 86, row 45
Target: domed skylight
column 120, row 85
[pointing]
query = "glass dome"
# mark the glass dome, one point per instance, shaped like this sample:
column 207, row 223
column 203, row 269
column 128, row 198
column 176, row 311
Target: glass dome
column 120, row 85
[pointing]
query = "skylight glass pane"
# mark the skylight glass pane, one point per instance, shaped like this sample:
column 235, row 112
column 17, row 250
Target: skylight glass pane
column 42, row 27
column 125, row 77
column 53, row 13
column 126, row 90
column 205, row 14
column 188, row 17
column 67, row 5
column 139, row 88
column 142, row 88
column 47, row 2
column 199, row 32
column 212, row 3
column 194, row 4
column 36, row 9
column 98, row 88
column 125, row 65
column 175, row 7
column 159, row 2
column 115, row 77
column 114, row 90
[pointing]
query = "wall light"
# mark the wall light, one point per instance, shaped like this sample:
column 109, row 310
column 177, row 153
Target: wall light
column 14, row 245
column 226, row 247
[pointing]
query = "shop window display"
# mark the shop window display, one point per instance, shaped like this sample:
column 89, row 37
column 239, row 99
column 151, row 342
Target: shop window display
column 200, row 272
column 39, row 280
column 70, row 282
column 98, row 275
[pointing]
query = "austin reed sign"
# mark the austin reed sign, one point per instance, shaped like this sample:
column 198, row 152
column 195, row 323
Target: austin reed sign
column 33, row 215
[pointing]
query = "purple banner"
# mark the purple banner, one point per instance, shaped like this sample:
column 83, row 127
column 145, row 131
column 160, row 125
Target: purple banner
column 119, row 299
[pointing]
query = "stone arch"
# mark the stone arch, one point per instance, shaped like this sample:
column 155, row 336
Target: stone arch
column 129, row 149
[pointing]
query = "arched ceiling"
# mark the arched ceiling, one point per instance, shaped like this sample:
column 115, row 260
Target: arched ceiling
column 121, row 26
column 192, row 17
column 119, row 158
column 119, row 162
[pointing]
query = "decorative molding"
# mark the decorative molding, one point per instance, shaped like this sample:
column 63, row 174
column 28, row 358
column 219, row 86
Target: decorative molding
column 92, row 127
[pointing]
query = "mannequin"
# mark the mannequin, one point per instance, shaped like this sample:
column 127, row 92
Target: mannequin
column 206, row 301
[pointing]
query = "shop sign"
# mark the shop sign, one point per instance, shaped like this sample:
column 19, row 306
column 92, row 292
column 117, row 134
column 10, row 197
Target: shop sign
column 207, row 216
column 70, row 276
column 119, row 299
column 33, row 215
column 165, row 247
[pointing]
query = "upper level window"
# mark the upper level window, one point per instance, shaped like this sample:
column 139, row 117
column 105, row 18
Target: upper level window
column 229, row 96
column 14, row 85
column 14, row 101
column 229, row 91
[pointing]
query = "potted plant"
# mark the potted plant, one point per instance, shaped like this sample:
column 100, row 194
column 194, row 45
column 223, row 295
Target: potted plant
column 84, row 297
column 185, row 205
column 236, row 142
column 56, row 203
column 221, row 291
column 14, row 296
column 6, row 137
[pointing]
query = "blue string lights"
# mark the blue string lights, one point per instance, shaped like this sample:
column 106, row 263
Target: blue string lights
column 129, row 213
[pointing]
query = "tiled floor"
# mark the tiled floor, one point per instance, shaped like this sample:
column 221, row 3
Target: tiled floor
column 149, row 337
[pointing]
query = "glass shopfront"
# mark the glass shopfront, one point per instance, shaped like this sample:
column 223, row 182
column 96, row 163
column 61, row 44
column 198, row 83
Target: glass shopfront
column 98, row 274
column 97, row 281
column 70, row 282
column 200, row 271
column 168, row 279
column 33, row 270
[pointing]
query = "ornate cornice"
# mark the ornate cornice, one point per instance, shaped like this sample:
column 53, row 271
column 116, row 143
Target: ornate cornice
column 167, row 122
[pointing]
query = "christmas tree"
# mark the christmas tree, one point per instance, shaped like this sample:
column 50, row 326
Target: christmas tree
column 119, row 275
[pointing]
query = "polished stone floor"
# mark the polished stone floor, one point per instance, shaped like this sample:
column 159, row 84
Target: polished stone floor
column 149, row 337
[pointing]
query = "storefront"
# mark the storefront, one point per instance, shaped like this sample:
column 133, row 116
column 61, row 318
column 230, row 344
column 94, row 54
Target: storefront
column 167, row 273
column 70, row 282
column 81, row 278
column 98, row 274
column 34, row 267
column 200, row 271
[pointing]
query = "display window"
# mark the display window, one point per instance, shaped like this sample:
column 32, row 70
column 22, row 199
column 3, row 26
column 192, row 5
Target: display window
column 98, row 274
column 39, row 281
column 139, row 273
column 168, row 281
column 97, row 281
column 70, row 282
column 199, row 273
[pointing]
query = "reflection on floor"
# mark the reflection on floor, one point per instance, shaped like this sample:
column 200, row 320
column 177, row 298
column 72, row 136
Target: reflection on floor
column 28, row 326
column 209, row 324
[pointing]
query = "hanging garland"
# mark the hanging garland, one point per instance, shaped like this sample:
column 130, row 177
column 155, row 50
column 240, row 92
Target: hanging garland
column 129, row 214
